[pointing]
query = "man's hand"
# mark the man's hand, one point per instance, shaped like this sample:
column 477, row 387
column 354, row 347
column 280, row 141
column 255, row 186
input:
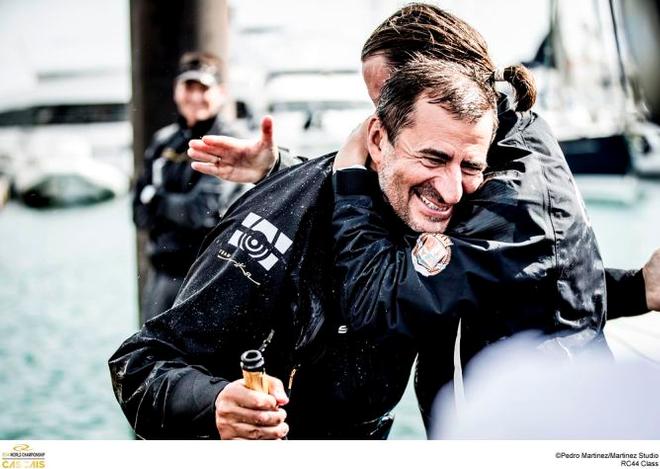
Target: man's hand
column 241, row 413
column 354, row 150
column 651, row 273
column 235, row 159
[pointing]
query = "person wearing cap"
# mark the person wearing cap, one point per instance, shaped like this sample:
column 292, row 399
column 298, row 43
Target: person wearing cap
column 174, row 204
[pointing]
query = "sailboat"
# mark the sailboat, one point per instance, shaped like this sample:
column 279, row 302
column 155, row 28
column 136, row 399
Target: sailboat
column 585, row 93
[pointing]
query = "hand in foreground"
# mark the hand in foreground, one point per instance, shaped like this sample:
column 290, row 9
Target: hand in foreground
column 651, row 273
column 234, row 159
column 241, row 413
column 354, row 150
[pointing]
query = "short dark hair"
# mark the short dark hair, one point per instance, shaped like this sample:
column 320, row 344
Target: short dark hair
column 421, row 28
column 452, row 86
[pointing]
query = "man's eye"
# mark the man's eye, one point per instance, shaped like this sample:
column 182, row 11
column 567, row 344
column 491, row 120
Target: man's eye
column 433, row 162
column 471, row 171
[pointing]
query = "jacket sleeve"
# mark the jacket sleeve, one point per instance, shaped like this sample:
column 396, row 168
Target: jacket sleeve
column 143, row 214
column 626, row 295
column 408, row 287
column 284, row 160
column 166, row 376
column 198, row 208
column 162, row 395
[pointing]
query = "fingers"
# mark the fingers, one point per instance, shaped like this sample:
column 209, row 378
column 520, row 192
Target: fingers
column 235, row 422
column 241, row 413
column 237, row 160
column 354, row 151
column 651, row 273
column 276, row 389
column 267, row 131
column 264, row 418
column 223, row 144
column 210, row 169
column 202, row 156
column 227, row 172
column 200, row 151
column 241, row 431
column 237, row 393
column 363, row 129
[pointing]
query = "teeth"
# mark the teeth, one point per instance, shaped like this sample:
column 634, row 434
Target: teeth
column 429, row 204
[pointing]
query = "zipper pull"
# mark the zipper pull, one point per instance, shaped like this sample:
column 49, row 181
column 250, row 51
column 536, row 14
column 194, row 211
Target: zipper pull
column 266, row 342
column 291, row 375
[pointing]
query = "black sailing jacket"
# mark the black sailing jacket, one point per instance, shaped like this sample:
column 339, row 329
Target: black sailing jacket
column 519, row 254
column 250, row 280
column 187, row 204
column 267, row 266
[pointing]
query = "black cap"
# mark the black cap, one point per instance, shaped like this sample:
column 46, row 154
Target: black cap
column 252, row 360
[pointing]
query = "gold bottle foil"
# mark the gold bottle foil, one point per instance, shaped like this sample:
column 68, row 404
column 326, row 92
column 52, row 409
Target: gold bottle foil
column 255, row 380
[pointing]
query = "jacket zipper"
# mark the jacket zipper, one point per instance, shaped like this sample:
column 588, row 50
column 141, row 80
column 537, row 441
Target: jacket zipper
column 294, row 370
column 267, row 341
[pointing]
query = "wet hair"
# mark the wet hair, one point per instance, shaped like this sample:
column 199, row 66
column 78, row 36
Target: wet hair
column 420, row 28
column 455, row 88
column 203, row 61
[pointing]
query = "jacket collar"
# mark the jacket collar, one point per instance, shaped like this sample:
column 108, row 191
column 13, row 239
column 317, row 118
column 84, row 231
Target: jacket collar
column 201, row 128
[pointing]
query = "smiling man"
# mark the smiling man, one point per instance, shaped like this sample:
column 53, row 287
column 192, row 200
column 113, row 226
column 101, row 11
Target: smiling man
column 174, row 204
column 268, row 267
column 425, row 167
column 517, row 254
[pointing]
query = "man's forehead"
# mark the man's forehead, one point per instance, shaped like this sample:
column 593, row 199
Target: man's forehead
column 438, row 145
column 432, row 126
column 376, row 62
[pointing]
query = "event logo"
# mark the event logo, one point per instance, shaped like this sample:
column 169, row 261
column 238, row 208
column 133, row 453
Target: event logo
column 22, row 456
column 431, row 254
column 261, row 240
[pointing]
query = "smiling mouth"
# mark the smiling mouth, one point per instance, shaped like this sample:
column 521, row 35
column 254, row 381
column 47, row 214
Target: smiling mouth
column 436, row 209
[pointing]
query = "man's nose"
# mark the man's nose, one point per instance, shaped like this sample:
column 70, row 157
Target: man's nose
column 197, row 95
column 450, row 185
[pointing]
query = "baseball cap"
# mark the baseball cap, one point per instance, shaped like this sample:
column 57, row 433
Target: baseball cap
column 201, row 67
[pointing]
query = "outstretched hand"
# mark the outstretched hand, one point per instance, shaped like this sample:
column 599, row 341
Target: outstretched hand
column 354, row 151
column 234, row 159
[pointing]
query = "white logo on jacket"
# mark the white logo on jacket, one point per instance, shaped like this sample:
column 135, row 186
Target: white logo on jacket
column 259, row 239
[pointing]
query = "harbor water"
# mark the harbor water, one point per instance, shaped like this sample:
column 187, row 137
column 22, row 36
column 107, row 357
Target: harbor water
column 68, row 299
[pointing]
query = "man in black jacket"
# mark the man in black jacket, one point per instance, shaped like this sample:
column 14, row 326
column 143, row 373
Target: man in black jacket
column 176, row 205
column 389, row 47
column 517, row 253
column 268, row 268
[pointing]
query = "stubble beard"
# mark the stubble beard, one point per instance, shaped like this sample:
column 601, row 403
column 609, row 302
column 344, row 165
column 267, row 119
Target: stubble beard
column 397, row 199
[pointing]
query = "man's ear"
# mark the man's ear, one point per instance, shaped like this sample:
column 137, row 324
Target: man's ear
column 376, row 142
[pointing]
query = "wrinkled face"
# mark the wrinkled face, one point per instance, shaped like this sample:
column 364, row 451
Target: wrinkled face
column 433, row 162
column 375, row 72
column 197, row 102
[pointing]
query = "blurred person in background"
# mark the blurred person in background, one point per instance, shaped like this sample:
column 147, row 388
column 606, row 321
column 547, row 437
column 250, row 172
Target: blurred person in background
column 177, row 206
